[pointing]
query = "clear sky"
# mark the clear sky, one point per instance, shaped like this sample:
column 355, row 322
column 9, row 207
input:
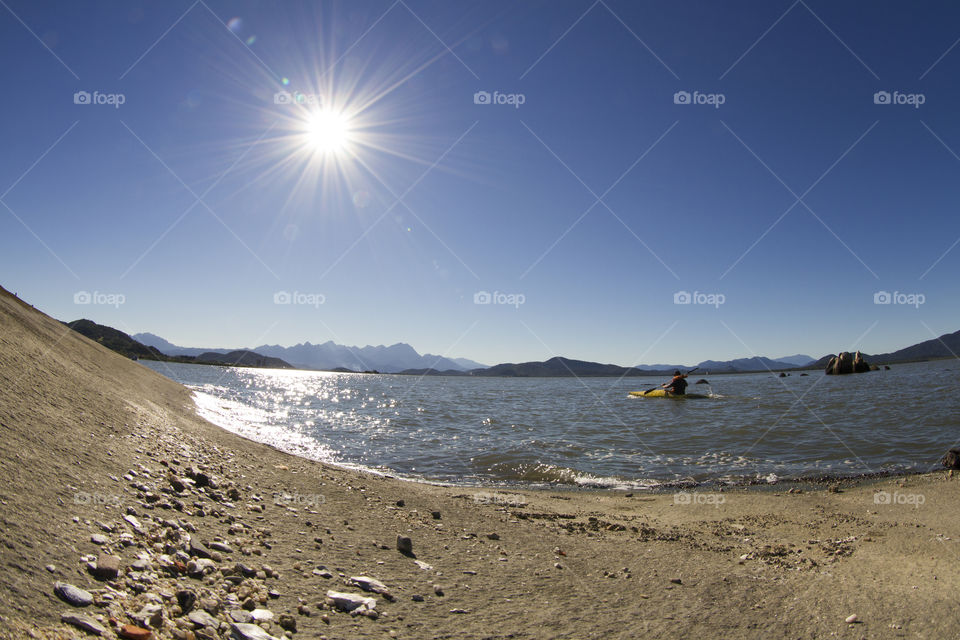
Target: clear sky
column 155, row 177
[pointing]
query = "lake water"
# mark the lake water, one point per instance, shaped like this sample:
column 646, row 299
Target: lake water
column 589, row 432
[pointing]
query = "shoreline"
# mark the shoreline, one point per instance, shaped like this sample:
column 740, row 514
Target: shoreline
column 227, row 526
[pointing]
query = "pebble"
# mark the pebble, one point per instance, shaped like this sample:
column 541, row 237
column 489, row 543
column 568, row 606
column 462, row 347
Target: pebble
column 244, row 631
column 221, row 547
column 851, row 619
column 108, row 567
column 51, row 568
column 72, row 595
column 84, row 622
column 261, row 615
column 370, row 584
column 99, row 539
column 203, row 619
column 132, row 632
column 351, row 601
column 404, row 545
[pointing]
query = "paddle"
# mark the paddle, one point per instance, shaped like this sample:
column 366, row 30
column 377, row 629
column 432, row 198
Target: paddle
column 646, row 391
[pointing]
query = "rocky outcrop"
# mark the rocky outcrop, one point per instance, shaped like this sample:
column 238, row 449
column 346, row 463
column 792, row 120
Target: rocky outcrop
column 846, row 362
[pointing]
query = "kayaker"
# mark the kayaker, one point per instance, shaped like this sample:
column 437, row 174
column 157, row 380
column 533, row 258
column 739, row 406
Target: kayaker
column 677, row 386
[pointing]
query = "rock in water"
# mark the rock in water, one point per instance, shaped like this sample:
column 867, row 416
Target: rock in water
column 404, row 545
column 86, row 623
column 244, row 631
column 73, row 595
column 952, row 459
column 351, row 601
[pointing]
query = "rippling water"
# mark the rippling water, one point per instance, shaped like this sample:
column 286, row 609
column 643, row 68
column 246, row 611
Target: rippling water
column 589, row 432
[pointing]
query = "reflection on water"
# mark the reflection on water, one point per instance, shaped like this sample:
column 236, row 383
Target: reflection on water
column 590, row 432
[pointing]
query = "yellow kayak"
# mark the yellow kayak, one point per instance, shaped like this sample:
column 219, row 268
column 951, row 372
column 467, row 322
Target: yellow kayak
column 663, row 393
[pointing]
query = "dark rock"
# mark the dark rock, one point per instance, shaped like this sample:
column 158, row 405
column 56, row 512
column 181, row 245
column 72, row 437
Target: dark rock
column 401, row 503
column 846, row 362
column 288, row 622
column 783, row 375
column 701, row 381
column 186, row 599
column 435, row 514
column 952, row 459
column 72, row 595
column 405, row 545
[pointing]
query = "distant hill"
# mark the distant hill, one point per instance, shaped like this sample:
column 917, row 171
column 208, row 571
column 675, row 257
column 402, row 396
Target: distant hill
column 242, row 358
column 122, row 343
column 330, row 356
column 562, row 367
column 946, row 346
column 115, row 340
column 799, row 360
column 170, row 349
column 744, row 364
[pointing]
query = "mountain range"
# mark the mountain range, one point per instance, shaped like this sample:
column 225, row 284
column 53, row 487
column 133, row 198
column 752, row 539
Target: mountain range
column 330, row 355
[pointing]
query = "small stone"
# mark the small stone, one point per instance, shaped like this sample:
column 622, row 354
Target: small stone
column 287, row 622
column 437, row 589
column 244, row 631
column 134, row 523
column 676, row 581
column 401, row 503
column 261, row 615
column 203, row 619
column 52, row 568
column 186, row 599
column 84, row 622
column 493, row 536
column 416, row 597
column 72, row 595
column 99, row 539
column 370, row 584
column 435, row 514
column 852, row 619
column 132, row 632
column 239, row 615
column 221, row 547
column 108, row 567
column 404, row 545
column 196, row 548
column 151, row 615
column 351, row 601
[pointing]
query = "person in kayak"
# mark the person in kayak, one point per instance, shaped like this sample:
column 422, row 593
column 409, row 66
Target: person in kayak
column 678, row 385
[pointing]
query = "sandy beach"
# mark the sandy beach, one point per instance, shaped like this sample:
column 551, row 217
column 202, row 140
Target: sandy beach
column 166, row 523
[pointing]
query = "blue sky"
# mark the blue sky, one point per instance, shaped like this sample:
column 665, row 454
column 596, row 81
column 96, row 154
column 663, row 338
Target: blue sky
column 193, row 205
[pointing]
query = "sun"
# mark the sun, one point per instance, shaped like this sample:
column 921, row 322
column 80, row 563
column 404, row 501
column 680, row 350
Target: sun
column 327, row 132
